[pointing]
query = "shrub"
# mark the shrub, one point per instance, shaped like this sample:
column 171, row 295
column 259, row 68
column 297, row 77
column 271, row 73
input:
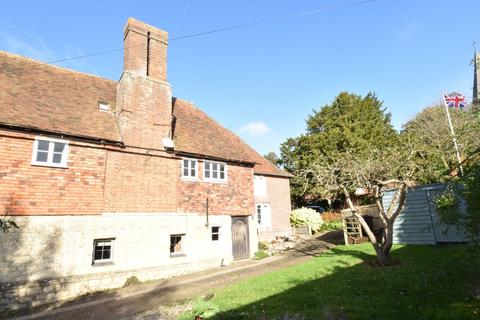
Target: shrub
column 260, row 254
column 262, row 245
column 306, row 216
column 132, row 281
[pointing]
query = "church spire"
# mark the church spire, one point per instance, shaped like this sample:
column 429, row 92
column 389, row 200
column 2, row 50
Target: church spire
column 476, row 78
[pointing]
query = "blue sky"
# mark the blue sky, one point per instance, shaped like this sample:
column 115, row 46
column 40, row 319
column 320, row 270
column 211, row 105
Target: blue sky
column 262, row 81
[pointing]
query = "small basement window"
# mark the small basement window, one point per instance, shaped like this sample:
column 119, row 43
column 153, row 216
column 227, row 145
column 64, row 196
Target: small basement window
column 176, row 244
column 189, row 168
column 215, row 171
column 103, row 106
column 50, row 152
column 215, row 233
column 102, row 251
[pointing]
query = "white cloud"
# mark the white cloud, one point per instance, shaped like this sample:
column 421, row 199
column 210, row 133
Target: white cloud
column 255, row 128
column 31, row 46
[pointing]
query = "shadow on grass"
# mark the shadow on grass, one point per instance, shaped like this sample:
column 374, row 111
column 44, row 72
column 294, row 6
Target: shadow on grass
column 432, row 282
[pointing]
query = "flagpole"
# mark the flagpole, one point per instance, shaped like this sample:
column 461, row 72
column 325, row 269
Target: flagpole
column 453, row 133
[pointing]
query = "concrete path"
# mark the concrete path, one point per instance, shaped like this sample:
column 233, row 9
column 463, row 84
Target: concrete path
column 163, row 299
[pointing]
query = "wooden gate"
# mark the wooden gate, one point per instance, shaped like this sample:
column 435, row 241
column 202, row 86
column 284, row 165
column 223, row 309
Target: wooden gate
column 240, row 237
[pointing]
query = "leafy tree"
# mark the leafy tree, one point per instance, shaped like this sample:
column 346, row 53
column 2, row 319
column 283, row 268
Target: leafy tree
column 351, row 144
column 350, row 123
column 463, row 189
column 430, row 133
column 273, row 158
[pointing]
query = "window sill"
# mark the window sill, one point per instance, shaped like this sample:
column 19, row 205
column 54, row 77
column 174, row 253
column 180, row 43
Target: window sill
column 215, row 181
column 102, row 263
column 49, row 165
column 177, row 255
column 189, row 179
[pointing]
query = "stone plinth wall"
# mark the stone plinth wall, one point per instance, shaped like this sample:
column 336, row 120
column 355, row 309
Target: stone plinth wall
column 50, row 257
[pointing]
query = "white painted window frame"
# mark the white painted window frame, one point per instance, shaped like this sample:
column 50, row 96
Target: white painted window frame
column 265, row 215
column 103, row 106
column 182, row 242
column 51, row 145
column 112, row 251
column 189, row 168
column 219, row 233
column 257, row 214
column 218, row 179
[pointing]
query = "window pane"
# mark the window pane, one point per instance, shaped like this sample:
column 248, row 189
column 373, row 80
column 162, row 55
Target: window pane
column 107, row 252
column 185, row 172
column 42, row 156
column 214, row 174
column 192, row 172
column 57, row 158
column 98, row 254
column 222, row 168
column 103, row 250
column 214, row 236
column 222, row 175
column 259, row 214
column 215, row 229
column 175, row 244
column 214, row 167
column 43, row 145
column 207, row 173
column 58, row 147
column 185, row 163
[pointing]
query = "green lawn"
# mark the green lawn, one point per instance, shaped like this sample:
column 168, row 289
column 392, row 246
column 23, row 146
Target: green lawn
column 431, row 282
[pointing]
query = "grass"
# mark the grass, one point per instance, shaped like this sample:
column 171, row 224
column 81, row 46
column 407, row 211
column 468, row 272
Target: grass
column 431, row 282
column 331, row 225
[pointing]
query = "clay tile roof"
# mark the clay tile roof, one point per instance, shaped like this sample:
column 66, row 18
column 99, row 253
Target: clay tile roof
column 196, row 133
column 39, row 96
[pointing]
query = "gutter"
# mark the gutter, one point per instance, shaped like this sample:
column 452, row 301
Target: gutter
column 62, row 134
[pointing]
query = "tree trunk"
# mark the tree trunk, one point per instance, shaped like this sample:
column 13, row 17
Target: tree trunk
column 382, row 247
column 383, row 254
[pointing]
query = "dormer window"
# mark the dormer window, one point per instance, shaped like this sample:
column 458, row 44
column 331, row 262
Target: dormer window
column 103, row 106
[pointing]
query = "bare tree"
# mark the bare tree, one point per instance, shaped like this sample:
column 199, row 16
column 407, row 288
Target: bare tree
column 373, row 171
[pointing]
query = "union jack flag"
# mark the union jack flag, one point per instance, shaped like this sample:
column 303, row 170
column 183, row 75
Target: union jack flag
column 455, row 100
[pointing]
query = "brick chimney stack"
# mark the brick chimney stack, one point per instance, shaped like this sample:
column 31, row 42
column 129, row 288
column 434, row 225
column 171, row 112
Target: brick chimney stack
column 144, row 97
column 145, row 50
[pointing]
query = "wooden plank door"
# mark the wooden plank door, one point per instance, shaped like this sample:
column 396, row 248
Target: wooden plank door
column 240, row 238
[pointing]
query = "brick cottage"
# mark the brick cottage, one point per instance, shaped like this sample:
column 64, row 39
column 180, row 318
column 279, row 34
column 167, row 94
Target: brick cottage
column 108, row 180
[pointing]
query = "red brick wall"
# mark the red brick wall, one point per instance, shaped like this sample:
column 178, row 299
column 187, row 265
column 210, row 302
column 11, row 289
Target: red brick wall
column 99, row 180
column 234, row 197
column 140, row 183
column 38, row 190
column 278, row 191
